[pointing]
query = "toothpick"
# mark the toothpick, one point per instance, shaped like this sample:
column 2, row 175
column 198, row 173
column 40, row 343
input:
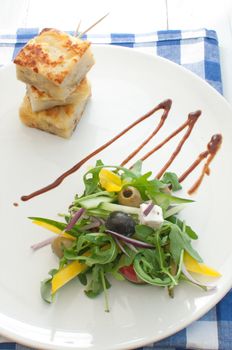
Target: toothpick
column 93, row 25
column 78, row 28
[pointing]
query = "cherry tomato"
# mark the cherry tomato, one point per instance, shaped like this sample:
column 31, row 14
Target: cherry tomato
column 129, row 273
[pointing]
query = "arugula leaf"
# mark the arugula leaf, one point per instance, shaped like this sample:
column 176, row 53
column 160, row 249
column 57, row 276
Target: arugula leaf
column 104, row 285
column 190, row 232
column 146, row 269
column 95, row 286
column 137, row 168
column 46, row 290
column 102, row 249
column 142, row 232
column 91, row 179
column 160, row 255
column 146, row 186
column 171, row 179
column 83, row 278
column 121, row 261
column 176, row 244
column 179, row 241
column 46, row 287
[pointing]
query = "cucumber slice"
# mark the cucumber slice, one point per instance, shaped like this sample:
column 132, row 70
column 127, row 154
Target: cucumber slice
column 117, row 207
column 174, row 210
column 90, row 203
column 94, row 195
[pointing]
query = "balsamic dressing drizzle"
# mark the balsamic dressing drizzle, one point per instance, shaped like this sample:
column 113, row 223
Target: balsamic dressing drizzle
column 212, row 148
column 166, row 105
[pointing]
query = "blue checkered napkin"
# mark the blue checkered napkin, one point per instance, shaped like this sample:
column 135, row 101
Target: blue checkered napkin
column 198, row 51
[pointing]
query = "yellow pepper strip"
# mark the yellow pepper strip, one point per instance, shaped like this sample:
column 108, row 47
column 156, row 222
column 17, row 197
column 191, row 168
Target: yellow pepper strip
column 110, row 181
column 66, row 274
column 193, row 266
column 53, row 229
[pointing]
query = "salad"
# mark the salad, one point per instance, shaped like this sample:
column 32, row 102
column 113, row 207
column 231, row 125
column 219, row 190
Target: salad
column 125, row 226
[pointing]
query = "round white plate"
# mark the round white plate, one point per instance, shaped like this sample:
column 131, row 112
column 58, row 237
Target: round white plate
column 125, row 85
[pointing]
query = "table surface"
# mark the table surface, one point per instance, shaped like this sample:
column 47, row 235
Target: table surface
column 128, row 16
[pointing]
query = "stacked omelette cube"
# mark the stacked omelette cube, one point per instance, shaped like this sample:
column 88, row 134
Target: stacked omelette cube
column 54, row 66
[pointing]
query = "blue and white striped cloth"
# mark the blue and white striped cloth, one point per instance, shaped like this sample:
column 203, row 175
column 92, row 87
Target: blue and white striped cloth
column 198, row 51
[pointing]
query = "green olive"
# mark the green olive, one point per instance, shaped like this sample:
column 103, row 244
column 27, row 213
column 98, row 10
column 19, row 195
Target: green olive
column 59, row 244
column 130, row 196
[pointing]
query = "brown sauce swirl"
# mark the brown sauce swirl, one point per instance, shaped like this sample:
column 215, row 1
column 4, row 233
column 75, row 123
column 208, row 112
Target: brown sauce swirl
column 212, row 148
column 165, row 105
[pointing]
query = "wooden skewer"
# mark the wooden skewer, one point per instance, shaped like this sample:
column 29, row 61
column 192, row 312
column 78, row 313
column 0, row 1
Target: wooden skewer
column 78, row 28
column 93, row 25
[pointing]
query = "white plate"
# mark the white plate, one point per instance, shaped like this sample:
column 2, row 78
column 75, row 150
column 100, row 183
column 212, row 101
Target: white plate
column 125, row 85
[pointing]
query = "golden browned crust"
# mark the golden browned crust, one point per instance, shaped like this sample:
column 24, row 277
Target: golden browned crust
column 60, row 120
column 52, row 54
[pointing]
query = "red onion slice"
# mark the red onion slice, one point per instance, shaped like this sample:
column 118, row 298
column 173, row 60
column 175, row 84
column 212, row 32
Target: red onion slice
column 94, row 224
column 148, row 209
column 121, row 247
column 42, row 244
column 74, row 219
column 129, row 245
column 208, row 286
column 134, row 242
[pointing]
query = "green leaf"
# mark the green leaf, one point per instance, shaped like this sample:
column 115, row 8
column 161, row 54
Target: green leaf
column 146, row 186
column 101, row 246
column 142, row 232
column 146, row 270
column 91, row 178
column 171, row 179
column 46, row 287
column 99, row 162
column 190, row 232
column 137, row 168
column 123, row 260
column 179, row 241
column 104, row 285
column 46, row 290
column 176, row 244
column 97, row 284
column 83, row 279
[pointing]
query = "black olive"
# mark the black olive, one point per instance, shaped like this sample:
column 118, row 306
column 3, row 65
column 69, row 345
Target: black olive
column 121, row 223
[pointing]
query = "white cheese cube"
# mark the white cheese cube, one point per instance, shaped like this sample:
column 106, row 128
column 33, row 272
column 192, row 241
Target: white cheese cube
column 154, row 219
